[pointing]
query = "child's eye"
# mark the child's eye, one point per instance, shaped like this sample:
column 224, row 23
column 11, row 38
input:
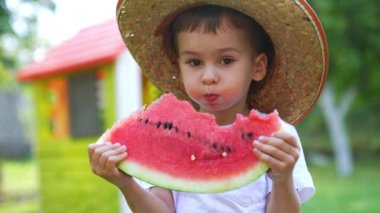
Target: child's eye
column 226, row 61
column 194, row 62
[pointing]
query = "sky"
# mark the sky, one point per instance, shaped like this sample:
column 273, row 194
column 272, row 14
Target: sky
column 54, row 27
column 68, row 18
column 72, row 15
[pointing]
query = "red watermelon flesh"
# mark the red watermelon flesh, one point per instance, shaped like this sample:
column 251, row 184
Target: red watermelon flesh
column 173, row 146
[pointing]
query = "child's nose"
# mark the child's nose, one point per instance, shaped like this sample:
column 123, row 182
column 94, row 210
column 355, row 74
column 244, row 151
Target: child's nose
column 209, row 76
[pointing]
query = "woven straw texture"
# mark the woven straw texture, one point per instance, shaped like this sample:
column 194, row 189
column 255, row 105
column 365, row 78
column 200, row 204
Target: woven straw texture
column 301, row 50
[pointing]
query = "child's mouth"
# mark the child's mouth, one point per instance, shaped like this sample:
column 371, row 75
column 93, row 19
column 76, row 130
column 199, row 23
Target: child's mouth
column 211, row 98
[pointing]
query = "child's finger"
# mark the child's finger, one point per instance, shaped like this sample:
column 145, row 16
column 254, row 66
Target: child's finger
column 272, row 162
column 91, row 147
column 99, row 150
column 113, row 160
column 104, row 159
column 271, row 150
column 280, row 144
column 286, row 136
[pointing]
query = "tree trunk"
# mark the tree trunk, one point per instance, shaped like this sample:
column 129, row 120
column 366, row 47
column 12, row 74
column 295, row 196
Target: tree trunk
column 334, row 116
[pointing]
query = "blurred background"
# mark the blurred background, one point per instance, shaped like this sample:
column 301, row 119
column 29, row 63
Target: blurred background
column 57, row 95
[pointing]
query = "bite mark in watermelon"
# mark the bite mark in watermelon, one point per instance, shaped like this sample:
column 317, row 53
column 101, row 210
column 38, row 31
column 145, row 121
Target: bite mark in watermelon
column 173, row 146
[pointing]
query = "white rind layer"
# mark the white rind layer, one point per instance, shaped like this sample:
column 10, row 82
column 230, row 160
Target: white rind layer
column 216, row 185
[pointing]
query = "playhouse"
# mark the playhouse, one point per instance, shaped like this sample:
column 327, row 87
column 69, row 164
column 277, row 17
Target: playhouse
column 79, row 90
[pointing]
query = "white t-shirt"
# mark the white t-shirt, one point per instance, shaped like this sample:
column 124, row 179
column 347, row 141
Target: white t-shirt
column 250, row 198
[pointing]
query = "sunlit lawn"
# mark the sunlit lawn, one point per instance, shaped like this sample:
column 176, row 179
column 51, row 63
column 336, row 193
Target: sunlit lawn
column 358, row 193
column 19, row 187
column 30, row 206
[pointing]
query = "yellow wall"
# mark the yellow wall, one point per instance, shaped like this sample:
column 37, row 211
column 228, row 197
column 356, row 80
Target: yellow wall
column 66, row 181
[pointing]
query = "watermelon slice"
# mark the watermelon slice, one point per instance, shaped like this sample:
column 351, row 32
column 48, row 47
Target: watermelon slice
column 172, row 146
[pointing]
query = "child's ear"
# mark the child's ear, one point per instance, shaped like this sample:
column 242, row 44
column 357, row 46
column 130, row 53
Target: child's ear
column 260, row 63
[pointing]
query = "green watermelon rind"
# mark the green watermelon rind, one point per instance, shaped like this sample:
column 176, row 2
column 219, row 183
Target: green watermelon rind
column 163, row 180
column 224, row 181
column 160, row 179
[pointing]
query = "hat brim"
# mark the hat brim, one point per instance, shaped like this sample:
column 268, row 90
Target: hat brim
column 301, row 61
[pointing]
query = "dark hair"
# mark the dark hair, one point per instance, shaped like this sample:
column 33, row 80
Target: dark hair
column 210, row 18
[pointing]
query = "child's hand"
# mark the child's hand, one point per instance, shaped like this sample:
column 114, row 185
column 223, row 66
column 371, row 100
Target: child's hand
column 104, row 157
column 280, row 152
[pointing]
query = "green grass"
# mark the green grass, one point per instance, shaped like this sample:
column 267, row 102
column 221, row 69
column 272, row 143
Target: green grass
column 61, row 182
column 68, row 185
column 20, row 177
column 357, row 193
column 30, row 206
column 19, row 187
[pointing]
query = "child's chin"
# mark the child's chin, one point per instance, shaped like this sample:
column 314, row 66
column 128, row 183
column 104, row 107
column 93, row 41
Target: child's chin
column 211, row 108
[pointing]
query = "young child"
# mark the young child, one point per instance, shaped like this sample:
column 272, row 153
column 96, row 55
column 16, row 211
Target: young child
column 227, row 58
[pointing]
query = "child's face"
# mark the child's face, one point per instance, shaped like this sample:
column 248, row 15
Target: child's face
column 217, row 69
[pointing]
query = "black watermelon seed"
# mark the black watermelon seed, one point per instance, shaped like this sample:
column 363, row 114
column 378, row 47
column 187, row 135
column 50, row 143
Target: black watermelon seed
column 188, row 134
column 176, row 129
column 250, row 135
column 146, row 121
column 159, row 124
column 170, row 125
column 215, row 145
column 228, row 149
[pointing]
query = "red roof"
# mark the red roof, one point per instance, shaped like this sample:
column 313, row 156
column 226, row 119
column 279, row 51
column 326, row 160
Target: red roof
column 92, row 46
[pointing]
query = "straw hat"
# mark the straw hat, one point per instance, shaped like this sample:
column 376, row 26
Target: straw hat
column 301, row 49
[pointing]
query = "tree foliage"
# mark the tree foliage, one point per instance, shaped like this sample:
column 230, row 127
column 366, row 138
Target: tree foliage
column 5, row 28
column 353, row 33
column 15, row 46
column 13, row 43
